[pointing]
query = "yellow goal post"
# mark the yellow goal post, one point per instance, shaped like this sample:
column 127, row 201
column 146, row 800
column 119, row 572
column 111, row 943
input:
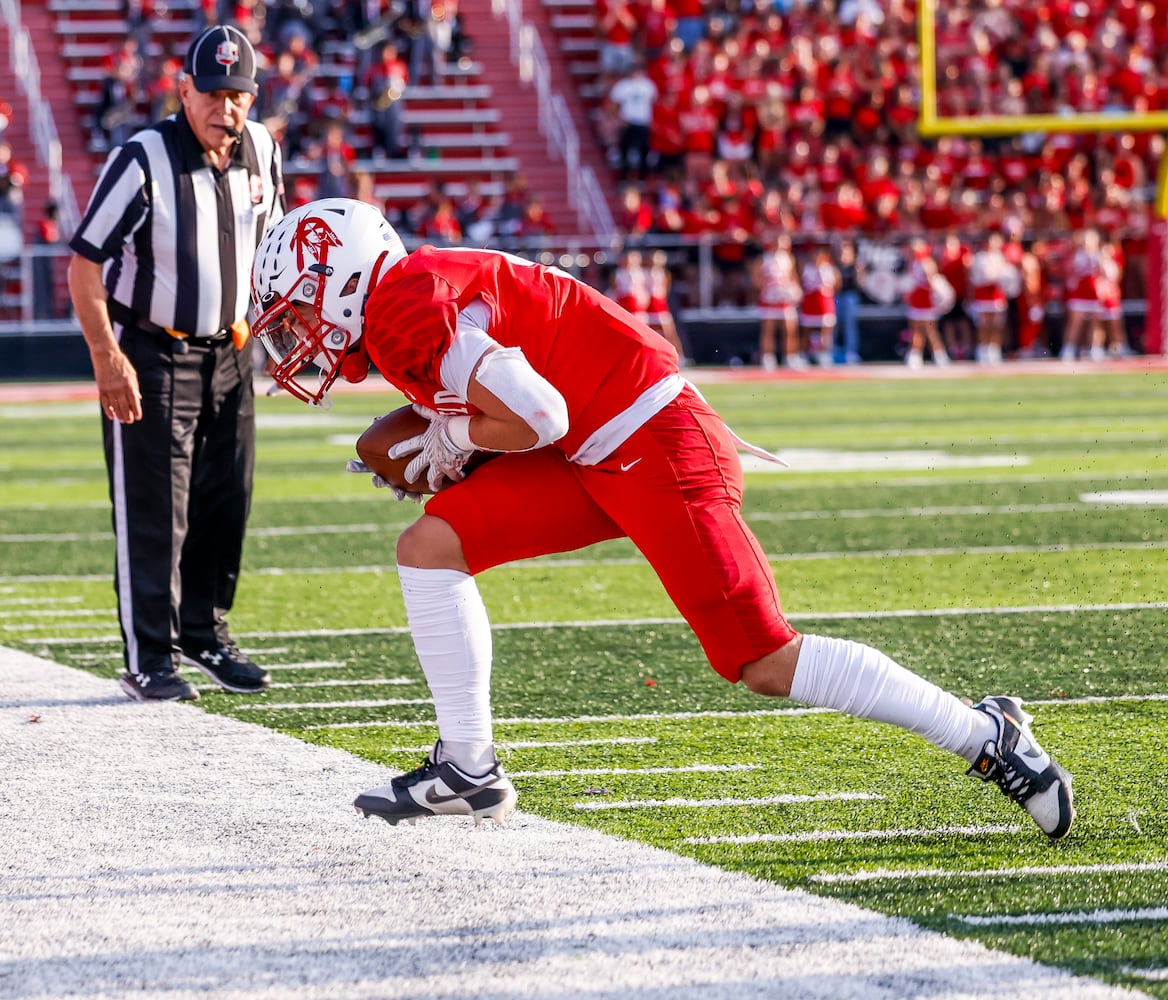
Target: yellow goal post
column 931, row 124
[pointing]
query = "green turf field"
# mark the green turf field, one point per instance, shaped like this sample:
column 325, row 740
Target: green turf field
column 1001, row 535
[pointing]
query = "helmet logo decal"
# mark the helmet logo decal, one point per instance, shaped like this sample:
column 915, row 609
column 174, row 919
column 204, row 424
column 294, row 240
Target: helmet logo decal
column 313, row 236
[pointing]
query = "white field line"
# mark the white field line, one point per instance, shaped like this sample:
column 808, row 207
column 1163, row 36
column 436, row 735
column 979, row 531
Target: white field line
column 280, row 532
column 278, row 707
column 564, row 720
column 667, row 716
column 774, row 557
column 508, row 745
column 819, row 836
column 1158, row 913
column 907, row 874
column 40, row 625
column 9, row 601
column 605, row 772
column 293, row 685
column 769, row 800
column 303, row 665
column 57, row 613
column 1050, row 609
column 1156, row 499
column 894, row 482
column 544, row 563
column 1152, row 975
column 979, row 550
column 864, row 513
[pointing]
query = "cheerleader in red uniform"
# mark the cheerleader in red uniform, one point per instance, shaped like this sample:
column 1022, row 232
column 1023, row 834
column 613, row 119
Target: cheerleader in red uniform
column 1032, row 308
column 778, row 300
column 1083, row 288
column 817, row 310
column 1110, row 336
column 926, row 297
column 659, row 315
column 630, row 284
column 991, row 278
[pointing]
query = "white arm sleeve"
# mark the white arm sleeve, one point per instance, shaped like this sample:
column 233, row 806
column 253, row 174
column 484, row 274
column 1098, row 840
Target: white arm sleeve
column 505, row 372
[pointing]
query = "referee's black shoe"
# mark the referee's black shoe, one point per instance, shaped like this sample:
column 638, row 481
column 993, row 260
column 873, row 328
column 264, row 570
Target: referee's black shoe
column 161, row 685
column 227, row 667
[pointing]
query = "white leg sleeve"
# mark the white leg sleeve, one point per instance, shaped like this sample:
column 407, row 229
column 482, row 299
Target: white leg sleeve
column 859, row 680
column 452, row 637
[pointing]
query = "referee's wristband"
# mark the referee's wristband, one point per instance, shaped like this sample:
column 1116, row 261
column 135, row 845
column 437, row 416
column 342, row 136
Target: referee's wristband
column 458, row 430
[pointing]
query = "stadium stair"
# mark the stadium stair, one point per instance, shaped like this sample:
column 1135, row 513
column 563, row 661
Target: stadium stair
column 516, row 104
column 39, row 22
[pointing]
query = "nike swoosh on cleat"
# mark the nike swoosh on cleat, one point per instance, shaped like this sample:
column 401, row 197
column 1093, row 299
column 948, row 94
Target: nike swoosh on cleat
column 434, row 798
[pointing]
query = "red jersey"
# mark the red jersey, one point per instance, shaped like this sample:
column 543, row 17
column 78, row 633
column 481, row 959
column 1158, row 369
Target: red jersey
column 596, row 355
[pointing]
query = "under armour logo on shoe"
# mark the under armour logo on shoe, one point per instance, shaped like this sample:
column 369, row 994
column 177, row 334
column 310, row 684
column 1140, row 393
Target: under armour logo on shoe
column 212, row 658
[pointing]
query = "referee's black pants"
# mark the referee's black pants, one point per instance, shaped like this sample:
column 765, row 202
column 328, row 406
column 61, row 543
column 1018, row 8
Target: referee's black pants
column 180, row 482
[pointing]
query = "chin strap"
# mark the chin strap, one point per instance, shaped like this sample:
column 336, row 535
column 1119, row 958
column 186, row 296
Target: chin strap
column 355, row 363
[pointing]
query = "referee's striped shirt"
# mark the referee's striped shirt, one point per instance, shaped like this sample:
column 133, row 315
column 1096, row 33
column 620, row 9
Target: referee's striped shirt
column 178, row 235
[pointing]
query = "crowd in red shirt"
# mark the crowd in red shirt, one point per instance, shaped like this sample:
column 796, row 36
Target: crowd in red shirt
column 802, row 116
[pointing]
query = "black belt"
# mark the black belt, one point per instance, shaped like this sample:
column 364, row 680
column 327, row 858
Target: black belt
column 127, row 317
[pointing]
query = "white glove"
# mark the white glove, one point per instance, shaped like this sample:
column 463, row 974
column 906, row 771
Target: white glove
column 438, row 456
column 356, row 465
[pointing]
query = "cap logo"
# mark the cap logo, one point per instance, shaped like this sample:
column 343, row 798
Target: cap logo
column 227, row 54
column 313, row 236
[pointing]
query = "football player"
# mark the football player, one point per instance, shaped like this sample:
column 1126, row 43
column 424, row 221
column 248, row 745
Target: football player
column 602, row 438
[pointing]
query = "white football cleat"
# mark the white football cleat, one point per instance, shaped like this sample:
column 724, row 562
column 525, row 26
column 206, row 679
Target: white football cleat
column 440, row 788
column 1023, row 770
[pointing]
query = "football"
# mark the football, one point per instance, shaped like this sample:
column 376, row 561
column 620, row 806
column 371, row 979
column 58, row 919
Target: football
column 375, row 441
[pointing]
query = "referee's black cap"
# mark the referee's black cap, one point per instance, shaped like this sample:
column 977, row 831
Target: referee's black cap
column 222, row 58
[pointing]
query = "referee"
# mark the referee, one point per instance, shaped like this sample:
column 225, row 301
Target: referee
column 160, row 282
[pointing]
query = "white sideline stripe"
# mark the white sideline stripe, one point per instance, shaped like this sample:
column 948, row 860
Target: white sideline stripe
column 278, row 707
column 905, row 874
column 817, row 836
column 287, row 893
column 640, row 622
column 566, row 719
column 634, row 771
column 767, row 800
column 1158, row 913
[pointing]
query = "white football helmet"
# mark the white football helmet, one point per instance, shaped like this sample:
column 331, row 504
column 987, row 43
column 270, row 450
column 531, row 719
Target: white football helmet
column 311, row 275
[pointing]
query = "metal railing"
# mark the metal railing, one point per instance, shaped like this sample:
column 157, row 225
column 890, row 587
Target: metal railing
column 584, row 192
column 42, row 125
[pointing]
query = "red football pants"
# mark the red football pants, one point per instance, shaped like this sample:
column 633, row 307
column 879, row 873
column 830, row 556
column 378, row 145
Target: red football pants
column 674, row 488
